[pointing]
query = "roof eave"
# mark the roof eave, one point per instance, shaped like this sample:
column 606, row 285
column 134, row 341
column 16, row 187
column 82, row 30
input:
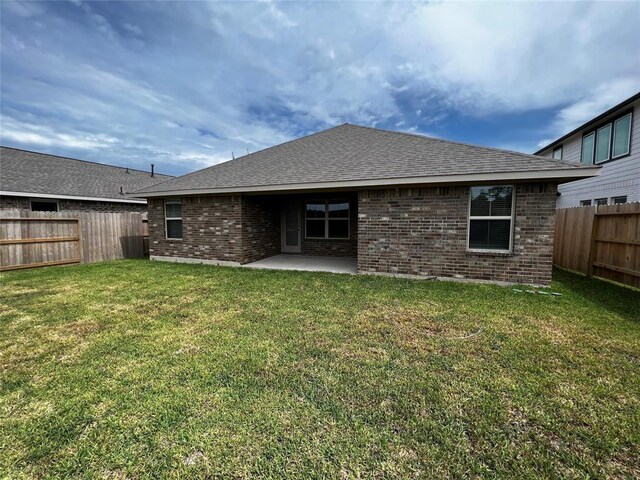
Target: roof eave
column 559, row 175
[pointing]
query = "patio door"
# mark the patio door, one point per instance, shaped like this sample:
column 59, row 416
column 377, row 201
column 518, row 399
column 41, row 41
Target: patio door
column 291, row 238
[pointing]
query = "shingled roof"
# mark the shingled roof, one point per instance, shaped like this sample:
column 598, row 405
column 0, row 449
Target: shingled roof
column 350, row 156
column 39, row 174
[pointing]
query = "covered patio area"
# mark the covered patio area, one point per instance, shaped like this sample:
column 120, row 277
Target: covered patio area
column 309, row 263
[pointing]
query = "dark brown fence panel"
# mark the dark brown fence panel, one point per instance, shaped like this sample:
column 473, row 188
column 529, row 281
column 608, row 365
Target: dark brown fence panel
column 603, row 241
column 34, row 239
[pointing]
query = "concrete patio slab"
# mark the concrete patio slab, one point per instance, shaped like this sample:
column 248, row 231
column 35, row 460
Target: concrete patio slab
column 307, row 263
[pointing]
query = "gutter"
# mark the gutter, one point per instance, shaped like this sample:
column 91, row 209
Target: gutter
column 71, row 197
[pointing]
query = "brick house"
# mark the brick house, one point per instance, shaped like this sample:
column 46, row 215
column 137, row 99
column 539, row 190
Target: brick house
column 41, row 182
column 392, row 203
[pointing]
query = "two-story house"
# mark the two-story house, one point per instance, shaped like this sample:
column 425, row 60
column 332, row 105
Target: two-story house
column 611, row 140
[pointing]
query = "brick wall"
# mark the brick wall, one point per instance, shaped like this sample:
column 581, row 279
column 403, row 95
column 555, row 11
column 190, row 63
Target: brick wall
column 260, row 227
column 11, row 203
column 238, row 229
column 211, row 229
column 424, row 232
column 405, row 231
column 23, row 203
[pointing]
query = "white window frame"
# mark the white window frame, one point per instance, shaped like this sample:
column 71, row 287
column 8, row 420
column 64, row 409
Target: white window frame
column 593, row 149
column 583, row 204
column 609, row 147
column 511, row 218
column 327, row 218
column 166, row 218
column 553, row 153
column 613, row 135
column 613, row 200
column 43, row 200
column 596, row 200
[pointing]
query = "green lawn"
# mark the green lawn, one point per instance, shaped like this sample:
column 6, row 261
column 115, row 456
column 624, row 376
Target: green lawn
column 136, row 369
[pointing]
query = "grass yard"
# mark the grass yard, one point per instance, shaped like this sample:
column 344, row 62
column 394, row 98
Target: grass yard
column 137, row 369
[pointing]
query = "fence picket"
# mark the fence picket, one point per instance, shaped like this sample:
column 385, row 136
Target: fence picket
column 603, row 241
column 32, row 239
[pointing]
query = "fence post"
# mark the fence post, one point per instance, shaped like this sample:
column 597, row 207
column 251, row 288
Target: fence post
column 593, row 243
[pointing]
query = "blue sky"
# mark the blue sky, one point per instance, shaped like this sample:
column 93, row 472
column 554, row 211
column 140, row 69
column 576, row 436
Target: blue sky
column 184, row 84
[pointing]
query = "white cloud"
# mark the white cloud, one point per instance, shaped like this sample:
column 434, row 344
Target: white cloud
column 515, row 56
column 599, row 100
column 26, row 133
column 212, row 78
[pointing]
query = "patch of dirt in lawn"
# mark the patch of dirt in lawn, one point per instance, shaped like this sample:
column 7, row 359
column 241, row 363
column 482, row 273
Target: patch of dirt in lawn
column 361, row 353
column 556, row 333
column 72, row 337
column 194, row 458
column 417, row 325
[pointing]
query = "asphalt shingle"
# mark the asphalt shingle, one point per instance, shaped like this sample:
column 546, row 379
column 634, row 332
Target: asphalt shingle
column 355, row 153
column 39, row 173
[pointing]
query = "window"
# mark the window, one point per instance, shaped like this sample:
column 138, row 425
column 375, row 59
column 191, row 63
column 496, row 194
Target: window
column 491, row 218
column 600, row 201
column 585, row 203
column 557, row 153
column 587, row 148
column 173, row 219
column 609, row 141
column 44, row 206
column 603, row 143
column 618, row 200
column 621, row 136
column 327, row 219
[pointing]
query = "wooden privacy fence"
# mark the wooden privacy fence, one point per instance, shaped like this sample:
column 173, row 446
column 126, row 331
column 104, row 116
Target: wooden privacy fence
column 38, row 239
column 603, row 241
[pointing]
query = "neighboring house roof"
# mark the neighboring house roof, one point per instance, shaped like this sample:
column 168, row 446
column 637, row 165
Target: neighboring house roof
column 352, row 156
column 591, row 122
column 25, row 173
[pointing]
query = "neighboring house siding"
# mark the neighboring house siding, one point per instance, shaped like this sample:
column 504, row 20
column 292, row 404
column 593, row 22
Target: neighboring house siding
column 23, row 203
column 423, row 231
column 617, row 178
column 12, row 203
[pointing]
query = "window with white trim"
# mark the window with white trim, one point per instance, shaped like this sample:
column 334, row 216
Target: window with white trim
column 44, row 206
column 328, row 219
column 600, row 201
column 585, row 203
column 621, row 136
column 491, row 218
column 173, row 219
column 588, row 143
column 557, row 153
column 619, row 200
